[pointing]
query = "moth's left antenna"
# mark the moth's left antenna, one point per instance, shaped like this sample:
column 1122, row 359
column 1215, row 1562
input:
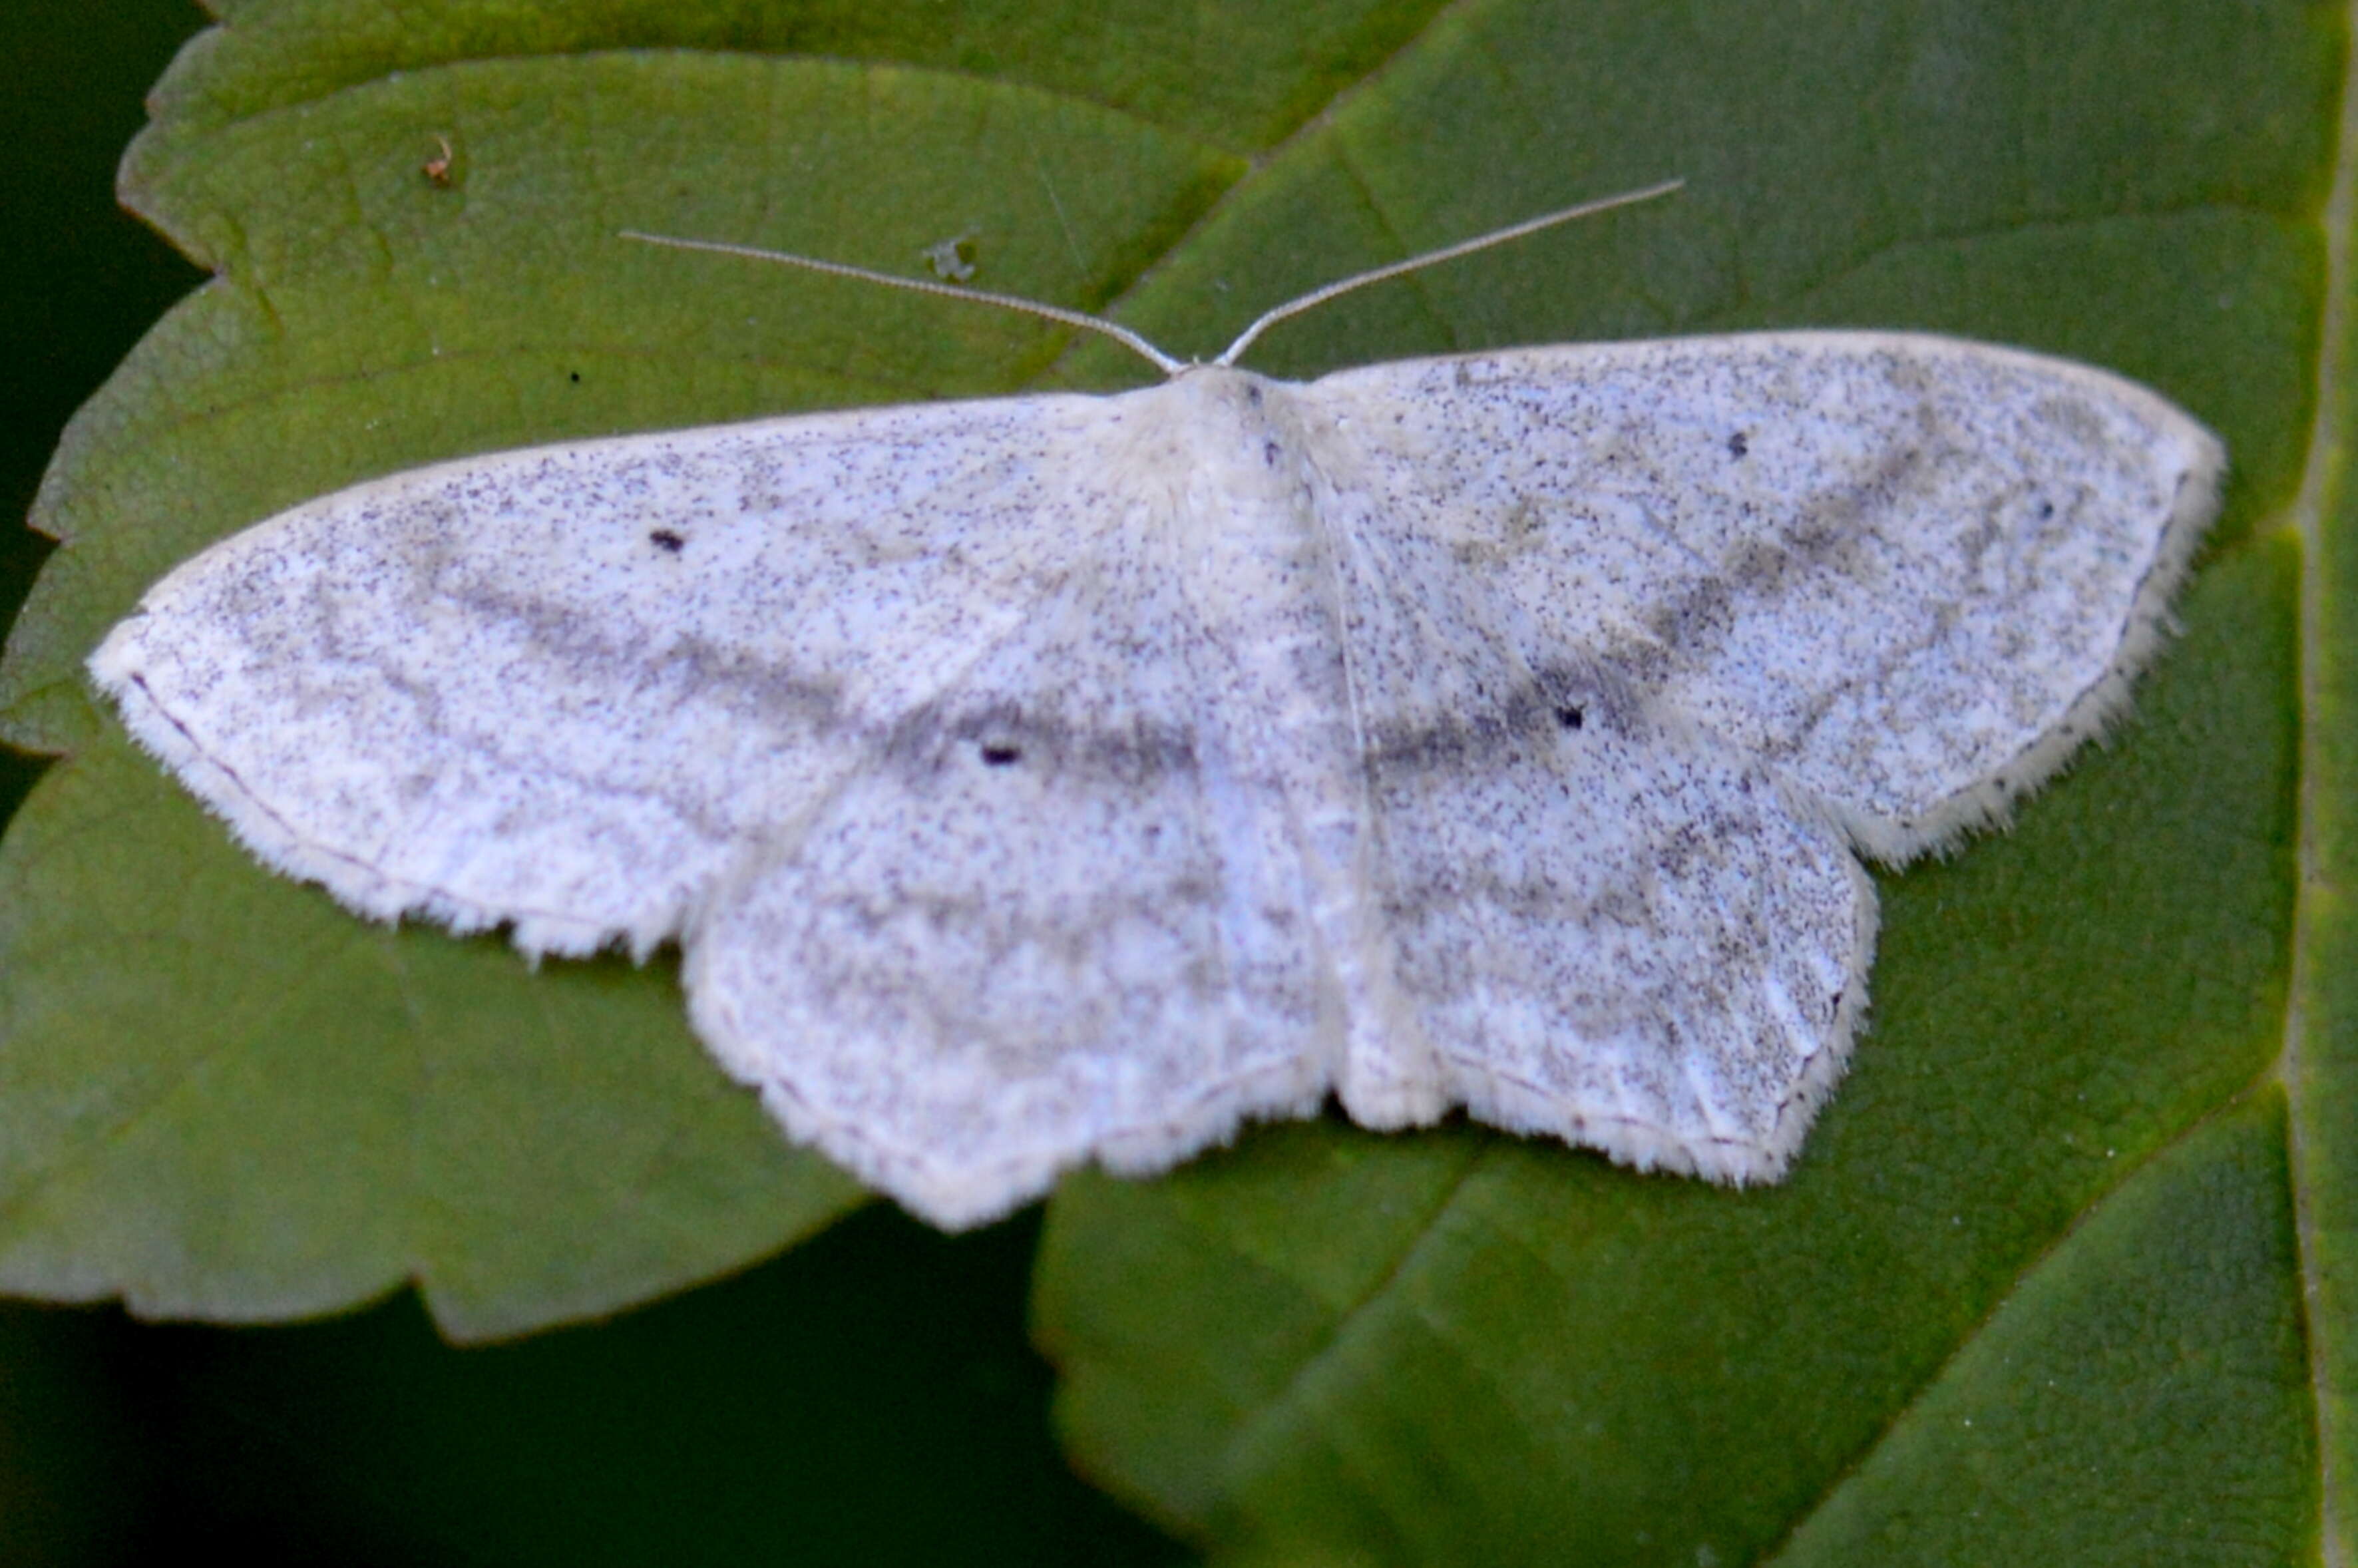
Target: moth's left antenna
column 1114, row 330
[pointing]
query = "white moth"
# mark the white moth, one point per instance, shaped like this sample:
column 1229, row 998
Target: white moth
column 1052, row 778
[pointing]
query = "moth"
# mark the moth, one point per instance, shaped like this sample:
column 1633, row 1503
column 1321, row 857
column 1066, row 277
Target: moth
column 1054, row 778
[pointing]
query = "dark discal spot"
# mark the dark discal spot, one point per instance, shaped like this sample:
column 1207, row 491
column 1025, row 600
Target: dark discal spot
column 1737, row 446
column 1599, row 697
column 929, row 744
column 574, row 376
column 2046, row 510
column 1560, row 700
column 1253, row 395
column 1269, row 453
column 665, row 539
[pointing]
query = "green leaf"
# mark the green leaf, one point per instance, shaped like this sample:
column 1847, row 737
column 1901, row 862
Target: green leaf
column 2064, row 1271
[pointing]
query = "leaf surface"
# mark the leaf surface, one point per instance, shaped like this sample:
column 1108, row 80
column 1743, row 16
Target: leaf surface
column 2064, row 1269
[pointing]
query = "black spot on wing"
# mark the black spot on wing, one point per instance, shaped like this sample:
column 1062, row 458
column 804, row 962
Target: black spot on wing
column 942, row 737
column 1559, row 704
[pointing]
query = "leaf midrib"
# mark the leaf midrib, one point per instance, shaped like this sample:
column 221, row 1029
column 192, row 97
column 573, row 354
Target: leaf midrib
column 2322, row 478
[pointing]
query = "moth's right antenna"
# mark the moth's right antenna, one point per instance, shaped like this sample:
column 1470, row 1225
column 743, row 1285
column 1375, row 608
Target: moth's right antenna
column 1447, row 252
